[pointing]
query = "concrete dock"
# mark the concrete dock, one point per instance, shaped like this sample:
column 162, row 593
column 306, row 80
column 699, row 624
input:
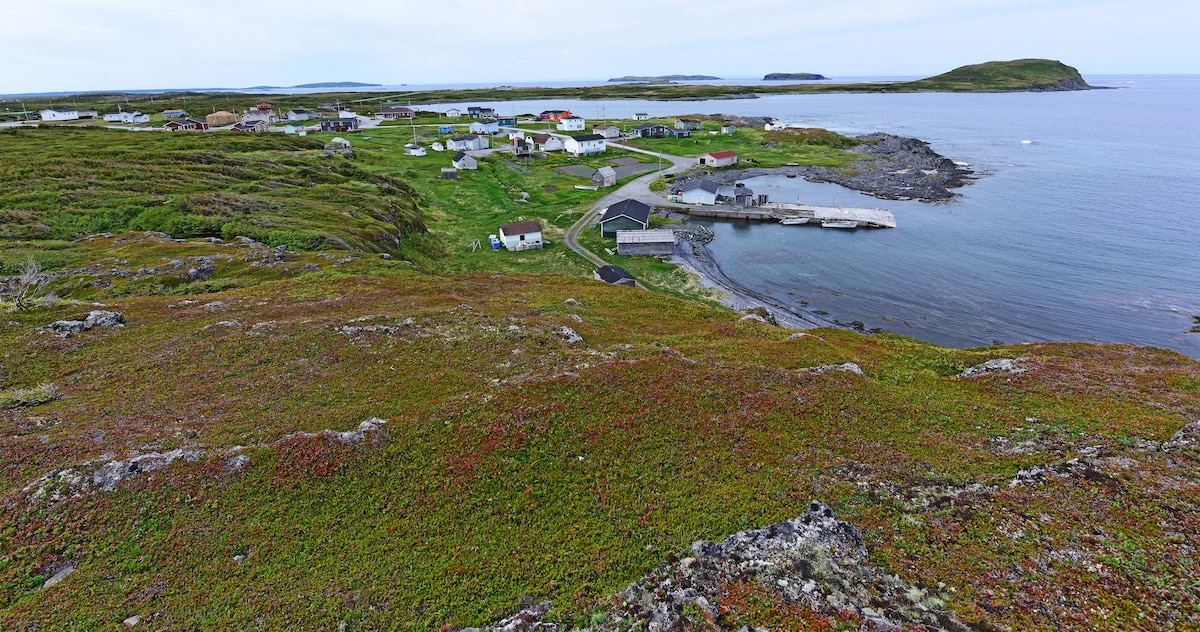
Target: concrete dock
column 776, row 211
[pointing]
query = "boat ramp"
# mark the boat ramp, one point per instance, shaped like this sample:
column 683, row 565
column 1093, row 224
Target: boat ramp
column 864, row 217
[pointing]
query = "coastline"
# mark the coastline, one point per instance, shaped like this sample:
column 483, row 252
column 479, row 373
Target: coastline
column 697, row 259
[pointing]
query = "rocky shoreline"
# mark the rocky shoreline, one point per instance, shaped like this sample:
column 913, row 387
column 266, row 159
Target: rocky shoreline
column 892, row 168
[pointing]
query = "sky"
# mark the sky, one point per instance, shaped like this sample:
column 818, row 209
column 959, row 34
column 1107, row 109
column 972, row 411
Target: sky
column 84, row 45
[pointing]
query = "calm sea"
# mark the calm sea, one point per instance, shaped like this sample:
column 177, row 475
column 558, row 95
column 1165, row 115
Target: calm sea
column 1089, row 232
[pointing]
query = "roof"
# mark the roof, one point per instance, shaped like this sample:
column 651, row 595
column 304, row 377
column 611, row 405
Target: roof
column 633, row 209
column 722, row 154
column 521, row 228
column 459, row 156
column 702, row 184
column 606, row 171
column 586, row 137
column 645, row 236
column 572, row 118
column 541, row 138
column 462, row 138
column 612, row 274
column 649, row 126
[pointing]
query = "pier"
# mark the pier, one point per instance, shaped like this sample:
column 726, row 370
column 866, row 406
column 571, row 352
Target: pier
column 777, row 211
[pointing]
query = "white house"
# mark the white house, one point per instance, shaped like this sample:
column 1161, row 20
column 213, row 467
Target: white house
column 391, row 114
column 571, row 124
column 453, row 113
column 584, row 145
column 641, row 116
column 413, row 149
column 60, row 115
column 301, row 115
column 699, row 192
column 127, row 117
column 436, row 146
column 485, row 127
column 525, row 235
column 467, row 143
column 462, row 161
column 546, row 142
column 607, row 131
column 718, row 159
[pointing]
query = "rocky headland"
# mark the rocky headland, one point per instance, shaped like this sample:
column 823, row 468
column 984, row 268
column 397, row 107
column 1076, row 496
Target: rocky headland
column 892, row 168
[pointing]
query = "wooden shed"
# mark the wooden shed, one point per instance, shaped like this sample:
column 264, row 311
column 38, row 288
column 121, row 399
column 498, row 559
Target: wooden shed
column 655, row 243
column 605, row 176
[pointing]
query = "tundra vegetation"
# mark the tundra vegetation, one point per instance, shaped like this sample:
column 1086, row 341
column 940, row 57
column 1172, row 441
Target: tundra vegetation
column 176, row 466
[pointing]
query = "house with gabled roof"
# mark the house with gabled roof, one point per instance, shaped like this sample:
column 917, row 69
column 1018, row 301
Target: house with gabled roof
column 301, row 115
column 624, row 215
column 526, row 235
column 476, row 112
column 649, row 130
column 675, row 132
column 467, row 143
column 392, row 114
column 718, row 159
column 607, row 131
column 485, row 127
column 553, row 115
column 688, row 124
column 252, row 125
column 571, row 124
column 127, row 117
column 641, row 116
column 463, row 161
column 413, row 149
column 702, row 191
column 187, row 124
column 174, row 114
column 453, row 113
column 584, row 145
column 547, row 142
column 59, row 114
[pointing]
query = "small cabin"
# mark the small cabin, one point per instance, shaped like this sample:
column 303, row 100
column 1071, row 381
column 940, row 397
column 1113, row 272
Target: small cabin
column 526, row 235
column 615, row 275
column 605, row 176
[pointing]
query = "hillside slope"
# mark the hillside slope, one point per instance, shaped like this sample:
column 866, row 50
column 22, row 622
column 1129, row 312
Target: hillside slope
column 178, row 472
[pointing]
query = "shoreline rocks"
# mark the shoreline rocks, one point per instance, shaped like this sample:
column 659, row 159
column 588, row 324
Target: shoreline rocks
column 892, row 168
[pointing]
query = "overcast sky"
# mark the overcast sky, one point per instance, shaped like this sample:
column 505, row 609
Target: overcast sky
column 78, row 45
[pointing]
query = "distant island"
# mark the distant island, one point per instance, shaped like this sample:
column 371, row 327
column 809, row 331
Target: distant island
column 1020, row 75
column 794, row 76
column 666, row 78
column 324, row 84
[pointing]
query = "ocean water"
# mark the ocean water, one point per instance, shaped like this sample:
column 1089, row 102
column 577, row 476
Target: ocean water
column 1089, row 232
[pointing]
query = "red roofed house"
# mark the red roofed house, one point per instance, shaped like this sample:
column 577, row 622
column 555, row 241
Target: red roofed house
column 718, row 159
column 187, row 124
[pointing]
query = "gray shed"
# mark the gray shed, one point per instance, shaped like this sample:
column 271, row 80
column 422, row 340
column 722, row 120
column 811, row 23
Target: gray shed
column 604, row 177
column 655, row 243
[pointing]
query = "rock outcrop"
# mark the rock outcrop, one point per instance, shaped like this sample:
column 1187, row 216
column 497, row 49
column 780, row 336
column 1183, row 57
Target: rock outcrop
column 814, row 560
column 94, row 318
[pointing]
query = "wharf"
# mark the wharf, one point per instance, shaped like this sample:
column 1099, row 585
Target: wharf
column 776, row 211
